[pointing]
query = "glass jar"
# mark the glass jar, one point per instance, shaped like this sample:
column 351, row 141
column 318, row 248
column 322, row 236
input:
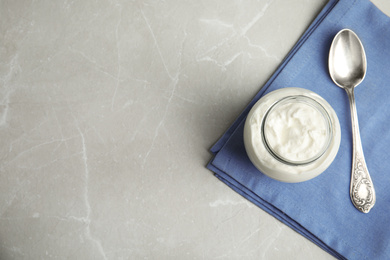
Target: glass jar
column 292, row 135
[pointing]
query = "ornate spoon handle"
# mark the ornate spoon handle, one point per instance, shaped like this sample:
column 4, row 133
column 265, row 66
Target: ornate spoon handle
column 362, row 190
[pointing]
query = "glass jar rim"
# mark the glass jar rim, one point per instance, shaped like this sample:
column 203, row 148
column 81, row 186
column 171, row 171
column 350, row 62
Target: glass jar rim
column 314, row 104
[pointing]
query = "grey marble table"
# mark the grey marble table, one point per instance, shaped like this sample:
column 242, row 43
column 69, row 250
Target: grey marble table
column 107, row 112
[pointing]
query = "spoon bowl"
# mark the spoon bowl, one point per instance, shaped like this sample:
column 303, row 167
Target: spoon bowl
column 347, row 60
column 347, row 68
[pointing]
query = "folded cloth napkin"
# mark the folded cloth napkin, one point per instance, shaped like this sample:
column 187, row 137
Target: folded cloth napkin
column 320, row 209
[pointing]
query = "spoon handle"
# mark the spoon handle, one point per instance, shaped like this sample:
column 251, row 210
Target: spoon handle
column 362, row 190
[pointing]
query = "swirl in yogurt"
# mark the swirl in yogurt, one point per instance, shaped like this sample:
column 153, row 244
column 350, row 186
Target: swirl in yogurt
column 296, row 131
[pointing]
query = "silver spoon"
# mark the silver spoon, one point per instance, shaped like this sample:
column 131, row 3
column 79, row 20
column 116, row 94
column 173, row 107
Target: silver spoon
column 347, row 68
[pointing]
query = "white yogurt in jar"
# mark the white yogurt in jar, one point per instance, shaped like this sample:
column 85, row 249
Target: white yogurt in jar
column 297, row 129
column 292, row 134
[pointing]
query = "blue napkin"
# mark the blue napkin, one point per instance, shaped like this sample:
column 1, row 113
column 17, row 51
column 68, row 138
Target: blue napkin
column 320, row 209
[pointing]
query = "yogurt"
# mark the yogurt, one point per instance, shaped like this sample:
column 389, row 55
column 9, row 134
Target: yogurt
column 297, row 129
column 292, row 134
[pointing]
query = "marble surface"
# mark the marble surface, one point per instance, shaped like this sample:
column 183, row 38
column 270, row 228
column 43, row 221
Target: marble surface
column 107, row 112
